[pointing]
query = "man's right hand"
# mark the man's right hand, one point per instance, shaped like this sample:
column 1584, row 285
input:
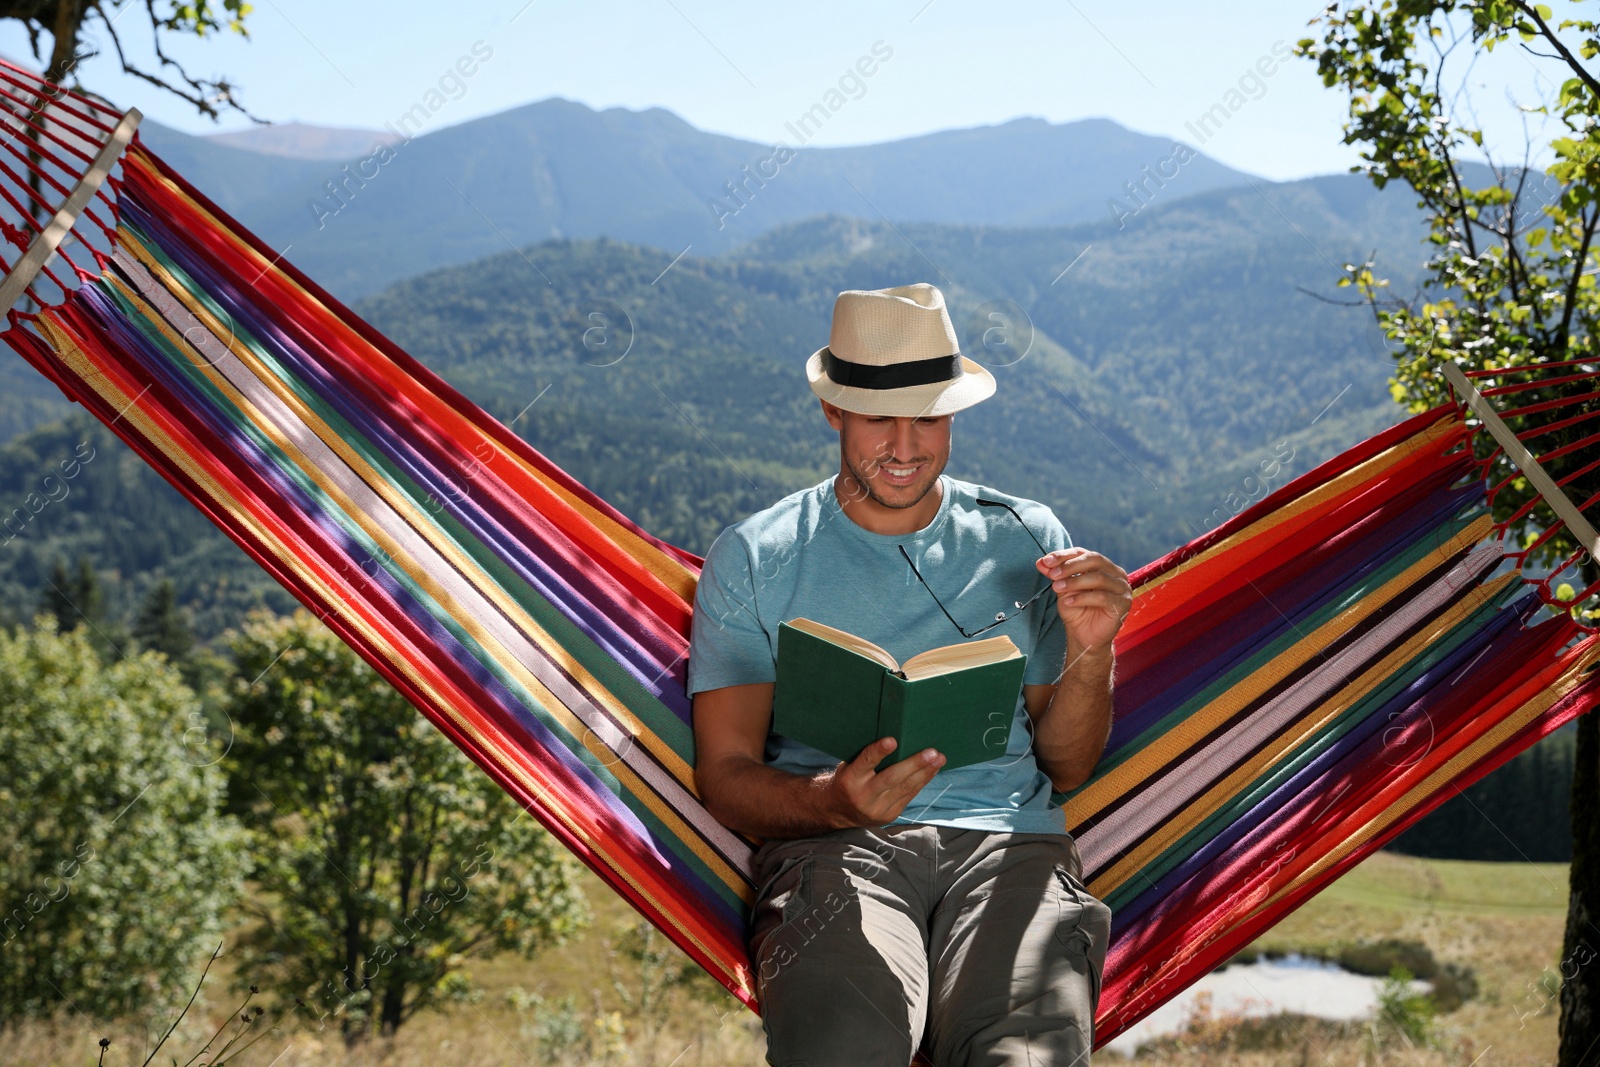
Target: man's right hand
column 744, row 794
column 861, row 795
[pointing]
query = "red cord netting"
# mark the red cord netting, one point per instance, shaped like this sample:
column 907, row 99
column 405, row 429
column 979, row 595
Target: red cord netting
column 17, row 236
column 65, row 168
column 56, row 133
column 1489, row 372
column 25, row 79
column 13, row 231
column 1552, row 427
column 1542, row 585
column 65, row 125
column 1546, row 405
column 43, row 175
column 46, row 133
column 25, row 197
column 1520, row 387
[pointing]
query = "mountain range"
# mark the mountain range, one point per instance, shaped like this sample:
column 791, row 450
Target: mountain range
column 558, row 169
column 1173, row 375
column 299, row 140
column 1145, row 373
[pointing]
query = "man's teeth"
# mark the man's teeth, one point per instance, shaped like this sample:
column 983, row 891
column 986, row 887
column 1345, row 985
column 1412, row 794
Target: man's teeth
column 900, row 472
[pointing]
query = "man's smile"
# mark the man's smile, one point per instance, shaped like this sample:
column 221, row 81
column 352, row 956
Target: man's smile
column 900, row 475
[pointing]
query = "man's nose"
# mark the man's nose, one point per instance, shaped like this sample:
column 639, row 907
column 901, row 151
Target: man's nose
column 904, row 441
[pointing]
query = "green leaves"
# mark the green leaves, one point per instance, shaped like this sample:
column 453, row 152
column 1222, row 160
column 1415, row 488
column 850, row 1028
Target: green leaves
column 206, row 17
column 112, row 830
column 1511, row 278
column 390, row 859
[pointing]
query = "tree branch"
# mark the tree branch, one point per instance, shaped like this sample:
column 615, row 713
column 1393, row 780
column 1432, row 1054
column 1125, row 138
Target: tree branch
column 1507, row 230
column 204, row 105
column 1459, row 208
column 1330, row 300
column 1550, row 35
column 1577, row 274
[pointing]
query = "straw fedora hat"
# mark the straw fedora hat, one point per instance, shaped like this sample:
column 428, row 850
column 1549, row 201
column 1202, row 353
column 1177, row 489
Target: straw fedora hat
column 894, row 352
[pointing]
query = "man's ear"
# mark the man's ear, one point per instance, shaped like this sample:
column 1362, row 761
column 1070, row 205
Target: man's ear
column 833, row 413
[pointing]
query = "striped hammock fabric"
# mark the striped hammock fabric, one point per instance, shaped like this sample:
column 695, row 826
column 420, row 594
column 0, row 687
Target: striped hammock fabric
column 1293, row 689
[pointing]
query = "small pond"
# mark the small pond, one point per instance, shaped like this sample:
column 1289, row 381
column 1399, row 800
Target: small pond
column 1297, row 984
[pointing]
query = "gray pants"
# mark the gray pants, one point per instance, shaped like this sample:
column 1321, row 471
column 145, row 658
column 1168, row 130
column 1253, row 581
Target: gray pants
column 981, row 948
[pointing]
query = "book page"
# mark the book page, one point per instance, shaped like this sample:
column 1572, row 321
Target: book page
column 953, row 658
column 843, row 639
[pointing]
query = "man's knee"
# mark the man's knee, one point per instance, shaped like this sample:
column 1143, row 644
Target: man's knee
column 840, row 964
column 1021, row 968
column 815, row 1012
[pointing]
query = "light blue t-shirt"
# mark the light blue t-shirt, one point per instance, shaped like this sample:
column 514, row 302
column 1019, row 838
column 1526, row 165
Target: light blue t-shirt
column 804, row 556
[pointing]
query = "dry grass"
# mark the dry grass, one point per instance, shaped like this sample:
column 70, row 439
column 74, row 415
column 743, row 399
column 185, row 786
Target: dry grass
column 1502, row 920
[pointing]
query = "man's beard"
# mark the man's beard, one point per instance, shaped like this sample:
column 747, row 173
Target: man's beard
column 922, row 490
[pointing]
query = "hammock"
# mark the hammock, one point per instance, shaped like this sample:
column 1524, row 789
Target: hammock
column 1294, row 688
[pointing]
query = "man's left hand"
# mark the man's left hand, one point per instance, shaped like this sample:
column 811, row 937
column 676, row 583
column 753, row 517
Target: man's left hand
column 1092, row 595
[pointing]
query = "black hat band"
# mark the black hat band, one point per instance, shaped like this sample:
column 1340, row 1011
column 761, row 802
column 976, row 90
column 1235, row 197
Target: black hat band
column 895, row 375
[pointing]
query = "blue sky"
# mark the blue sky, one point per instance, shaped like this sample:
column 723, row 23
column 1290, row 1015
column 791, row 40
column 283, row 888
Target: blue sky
column 745, row 69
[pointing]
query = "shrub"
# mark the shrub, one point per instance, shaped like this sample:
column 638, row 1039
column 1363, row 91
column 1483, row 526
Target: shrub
column 118, row 865
column 1403, row 1012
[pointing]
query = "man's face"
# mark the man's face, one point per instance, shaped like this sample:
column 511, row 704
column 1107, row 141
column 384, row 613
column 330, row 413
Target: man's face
column 895, row 461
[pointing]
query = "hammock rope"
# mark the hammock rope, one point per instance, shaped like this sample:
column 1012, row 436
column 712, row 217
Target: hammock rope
column 1295, row 687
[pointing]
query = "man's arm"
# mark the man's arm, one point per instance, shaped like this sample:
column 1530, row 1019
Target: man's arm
column 743, row 793
column 1072, row 718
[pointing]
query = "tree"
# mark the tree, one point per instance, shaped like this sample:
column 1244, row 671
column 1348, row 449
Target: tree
column 161, row 626
column 67, row 20
column 119, row 864
column 71, row 597
column 74, row 600
column 1510, row 285
column 387, row 857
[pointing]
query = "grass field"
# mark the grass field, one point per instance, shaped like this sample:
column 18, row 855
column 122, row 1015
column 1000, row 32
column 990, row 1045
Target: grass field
column 591, row 1001
column 1504, row 920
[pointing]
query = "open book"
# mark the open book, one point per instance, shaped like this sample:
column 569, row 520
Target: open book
column 839, row 693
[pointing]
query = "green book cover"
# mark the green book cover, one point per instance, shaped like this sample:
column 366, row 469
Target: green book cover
column 839, row 693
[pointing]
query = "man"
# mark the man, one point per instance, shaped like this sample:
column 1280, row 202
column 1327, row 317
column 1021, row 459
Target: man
column 908, row 904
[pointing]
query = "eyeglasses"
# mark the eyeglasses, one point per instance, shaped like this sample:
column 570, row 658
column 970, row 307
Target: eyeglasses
column 1018, row 606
